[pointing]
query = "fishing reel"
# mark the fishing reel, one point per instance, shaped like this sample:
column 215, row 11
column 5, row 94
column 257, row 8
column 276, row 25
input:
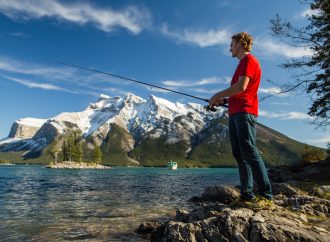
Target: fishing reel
column 213, row 109
column 210, row 109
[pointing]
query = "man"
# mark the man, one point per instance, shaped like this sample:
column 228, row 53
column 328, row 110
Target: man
column 243, row 110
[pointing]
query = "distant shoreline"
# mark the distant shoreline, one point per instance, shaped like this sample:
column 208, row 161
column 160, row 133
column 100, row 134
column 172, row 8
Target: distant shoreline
column 76, row 165
column 116, row 166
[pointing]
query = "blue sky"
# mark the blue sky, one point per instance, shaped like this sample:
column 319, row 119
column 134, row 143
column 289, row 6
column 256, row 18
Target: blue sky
column 182, row 45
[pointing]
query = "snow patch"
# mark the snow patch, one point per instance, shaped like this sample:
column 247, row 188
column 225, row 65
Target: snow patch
column 103, row 97
column 10, row 140
column 33, row 122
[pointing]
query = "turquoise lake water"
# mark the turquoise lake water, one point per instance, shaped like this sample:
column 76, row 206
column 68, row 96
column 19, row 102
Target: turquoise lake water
column 40, row 204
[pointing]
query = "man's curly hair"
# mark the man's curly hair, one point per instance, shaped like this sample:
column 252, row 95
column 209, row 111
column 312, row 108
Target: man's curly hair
column 245, row 39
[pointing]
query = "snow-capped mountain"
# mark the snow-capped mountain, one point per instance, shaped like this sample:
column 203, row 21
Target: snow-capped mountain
column 142, row 118
column 138, row 129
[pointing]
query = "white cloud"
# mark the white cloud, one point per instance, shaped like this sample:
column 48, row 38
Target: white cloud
column 268, row 47
column 276, row 91
column 202, row 82
column 321, row 140
column 204, row 90
column 279, row 103
column 13, row 66
column 213, row 37
column 58, row 74
column 105, row 19
column 271, row 90
column 154, row 89
column 200, row 38
column 31, row 84
column 285, row 115
column 308, row 12
column 83, row 82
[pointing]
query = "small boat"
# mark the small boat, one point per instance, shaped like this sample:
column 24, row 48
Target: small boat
column 172, row 165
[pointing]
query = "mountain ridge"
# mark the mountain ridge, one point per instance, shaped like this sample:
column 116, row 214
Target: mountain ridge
column 146, row 132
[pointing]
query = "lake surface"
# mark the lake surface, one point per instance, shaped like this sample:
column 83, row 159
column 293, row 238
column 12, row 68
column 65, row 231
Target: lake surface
column 40, row 204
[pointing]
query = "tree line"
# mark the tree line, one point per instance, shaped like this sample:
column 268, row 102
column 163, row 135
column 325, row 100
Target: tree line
column 70, row 148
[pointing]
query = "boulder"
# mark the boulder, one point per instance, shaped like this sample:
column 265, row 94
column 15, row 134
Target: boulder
column 221, row 193
column 147, row 227
column 297, row 217
column 285, row 189
column 284, row 226
column 244, row 224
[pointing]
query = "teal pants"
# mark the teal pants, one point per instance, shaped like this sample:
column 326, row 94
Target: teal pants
column 242, row 131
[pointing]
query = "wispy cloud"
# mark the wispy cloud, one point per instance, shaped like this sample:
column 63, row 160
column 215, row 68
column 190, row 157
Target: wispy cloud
column 202, row 82
column 285, row 115
column 106, row 19
column 159, row 90
column 201, row 38
column 308, row 12
column 279, row 103
column 204, row 90
column 322, row 140
column 13, row 66
column 276, row 91
column 56, row 78
column 212, row 37
column 54, row 74
column 31, row 84
column 268, row 47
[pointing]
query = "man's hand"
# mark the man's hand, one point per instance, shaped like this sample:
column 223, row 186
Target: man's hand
column 216, row 101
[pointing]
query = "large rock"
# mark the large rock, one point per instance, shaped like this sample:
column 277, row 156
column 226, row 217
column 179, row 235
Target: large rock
column 285, row 189
column 221, row 193
column 298, row 217
column 284, row 226
column 244, row 224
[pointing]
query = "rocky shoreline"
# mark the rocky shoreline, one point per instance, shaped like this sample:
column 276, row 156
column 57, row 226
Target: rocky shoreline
column 297, row 215
column 76, row 165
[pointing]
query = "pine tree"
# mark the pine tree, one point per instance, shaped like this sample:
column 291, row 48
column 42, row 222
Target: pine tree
column 70, row 145
column 97, row 154
column 76, row 147
column 65, row 151
column 313, row 72
column 54, row 149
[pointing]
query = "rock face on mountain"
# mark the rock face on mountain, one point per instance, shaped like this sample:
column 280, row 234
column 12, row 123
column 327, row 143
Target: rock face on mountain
column 25, row 128
column 147, row 132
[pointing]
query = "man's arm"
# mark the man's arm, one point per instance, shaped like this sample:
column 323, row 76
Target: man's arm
column 235, row 89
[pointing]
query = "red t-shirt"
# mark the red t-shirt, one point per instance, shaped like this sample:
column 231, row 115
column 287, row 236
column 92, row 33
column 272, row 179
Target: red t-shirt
column 247, row 101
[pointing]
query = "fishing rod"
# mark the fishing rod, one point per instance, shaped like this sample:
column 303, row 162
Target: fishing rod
column 208, row 108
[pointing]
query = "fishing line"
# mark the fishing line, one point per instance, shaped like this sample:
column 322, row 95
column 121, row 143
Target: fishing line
column 208, row 108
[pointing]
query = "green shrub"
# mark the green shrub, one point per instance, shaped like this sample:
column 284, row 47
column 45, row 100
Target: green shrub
column 312, row 155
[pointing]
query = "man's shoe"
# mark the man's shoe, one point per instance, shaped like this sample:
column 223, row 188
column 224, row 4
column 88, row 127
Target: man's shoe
column 241, row 202
column 259, row 202
column 263, row 203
